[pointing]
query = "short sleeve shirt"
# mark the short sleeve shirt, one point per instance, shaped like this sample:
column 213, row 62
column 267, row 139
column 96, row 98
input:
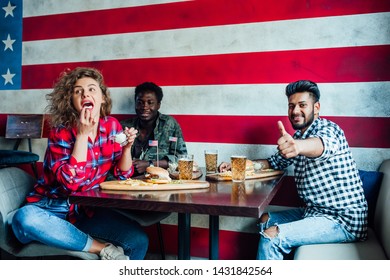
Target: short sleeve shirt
column 169, row 135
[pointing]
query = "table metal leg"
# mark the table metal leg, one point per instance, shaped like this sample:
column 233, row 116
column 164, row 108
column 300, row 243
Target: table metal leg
column 213, row 237
column 184, row 232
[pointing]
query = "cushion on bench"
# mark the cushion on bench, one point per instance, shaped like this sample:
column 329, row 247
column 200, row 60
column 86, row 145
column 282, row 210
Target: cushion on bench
column 371, row 183
column 368, row 250
column 15, row 184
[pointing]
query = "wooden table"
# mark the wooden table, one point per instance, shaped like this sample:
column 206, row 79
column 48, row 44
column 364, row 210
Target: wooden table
column 222, row 198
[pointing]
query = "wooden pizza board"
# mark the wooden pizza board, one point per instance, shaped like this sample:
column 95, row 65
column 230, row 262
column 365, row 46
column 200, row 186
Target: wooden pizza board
column 258, row 175
column 178, row 185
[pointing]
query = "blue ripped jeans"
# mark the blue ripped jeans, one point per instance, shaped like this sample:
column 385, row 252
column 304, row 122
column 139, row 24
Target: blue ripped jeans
column 45, row 221
column 294, row 230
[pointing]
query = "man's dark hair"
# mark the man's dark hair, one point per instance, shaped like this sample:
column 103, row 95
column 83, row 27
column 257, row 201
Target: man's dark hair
column 149, row 87
column 302, row 86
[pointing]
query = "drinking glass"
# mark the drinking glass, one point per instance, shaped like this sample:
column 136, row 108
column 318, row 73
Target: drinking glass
column 238, row 168
column 211, row 158
column 186, row 163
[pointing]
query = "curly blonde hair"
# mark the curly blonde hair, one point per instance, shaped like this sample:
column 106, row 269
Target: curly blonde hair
column 61, row 107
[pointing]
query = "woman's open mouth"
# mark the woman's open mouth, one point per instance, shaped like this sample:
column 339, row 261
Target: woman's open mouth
column 88, row 105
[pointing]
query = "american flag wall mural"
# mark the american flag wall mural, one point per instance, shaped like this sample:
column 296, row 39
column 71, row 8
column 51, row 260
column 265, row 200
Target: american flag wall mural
column 223, row 64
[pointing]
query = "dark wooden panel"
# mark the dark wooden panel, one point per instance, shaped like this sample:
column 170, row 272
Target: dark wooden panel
column 24, row 126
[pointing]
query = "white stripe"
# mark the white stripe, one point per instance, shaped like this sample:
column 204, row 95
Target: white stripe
column 33, row 8
column 329, row 32
column 363, row 99
column 23, row 101
column 339, row 99
column 366, row 158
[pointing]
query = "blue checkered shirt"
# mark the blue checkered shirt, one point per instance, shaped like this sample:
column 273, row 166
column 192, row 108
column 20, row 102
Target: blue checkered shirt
column 329, row 184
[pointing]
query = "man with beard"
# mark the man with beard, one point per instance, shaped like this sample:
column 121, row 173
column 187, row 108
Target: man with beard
column 326, row 176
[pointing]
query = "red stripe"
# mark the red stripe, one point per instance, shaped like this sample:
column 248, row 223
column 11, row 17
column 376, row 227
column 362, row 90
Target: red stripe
column 352, row 64
column 245, row 244
column 188, row 14
column 372, row 132
column 3, row 121
column 365, row 132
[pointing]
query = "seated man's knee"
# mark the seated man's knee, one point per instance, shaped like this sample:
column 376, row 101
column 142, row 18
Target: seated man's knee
column 272, row 231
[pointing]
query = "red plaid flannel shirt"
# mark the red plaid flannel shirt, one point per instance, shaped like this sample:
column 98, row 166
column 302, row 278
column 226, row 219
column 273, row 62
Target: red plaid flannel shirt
column 58, row 180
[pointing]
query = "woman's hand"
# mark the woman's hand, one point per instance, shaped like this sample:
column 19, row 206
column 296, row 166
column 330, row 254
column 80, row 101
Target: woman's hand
column 131, row 134
column 126, row 160
column 87, row 122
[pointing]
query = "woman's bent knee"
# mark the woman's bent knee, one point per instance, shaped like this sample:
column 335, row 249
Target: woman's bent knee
column 28, row 215
column 25, row 221
column 19, row 224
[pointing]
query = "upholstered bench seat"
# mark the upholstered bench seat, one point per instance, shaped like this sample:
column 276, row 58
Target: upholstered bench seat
column 15, row 184
column 12, row 157
column 367, row 250
column 377, row 246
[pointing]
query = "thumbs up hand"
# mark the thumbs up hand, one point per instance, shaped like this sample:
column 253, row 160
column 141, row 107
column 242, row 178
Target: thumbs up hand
column 287, row 145
column 281, row 129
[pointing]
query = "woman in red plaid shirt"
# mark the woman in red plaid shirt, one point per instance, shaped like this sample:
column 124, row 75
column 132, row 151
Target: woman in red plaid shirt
column 81, row 152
